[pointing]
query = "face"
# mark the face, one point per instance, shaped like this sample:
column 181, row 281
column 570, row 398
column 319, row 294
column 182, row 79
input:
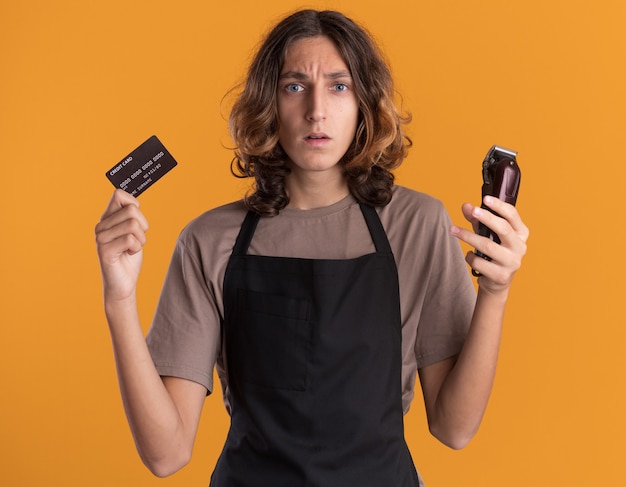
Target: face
column 317, row 106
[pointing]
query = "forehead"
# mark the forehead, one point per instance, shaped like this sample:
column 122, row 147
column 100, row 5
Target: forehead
column 310, row 53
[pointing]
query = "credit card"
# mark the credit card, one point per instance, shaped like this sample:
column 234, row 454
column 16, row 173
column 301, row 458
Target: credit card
column 142, row 167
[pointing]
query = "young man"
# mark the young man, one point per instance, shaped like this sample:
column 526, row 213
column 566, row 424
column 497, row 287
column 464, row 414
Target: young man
column 321, row 295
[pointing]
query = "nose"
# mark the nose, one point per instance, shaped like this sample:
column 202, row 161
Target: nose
column 316, row 107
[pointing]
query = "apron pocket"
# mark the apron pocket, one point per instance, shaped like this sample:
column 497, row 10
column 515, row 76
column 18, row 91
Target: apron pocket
column 272, row 339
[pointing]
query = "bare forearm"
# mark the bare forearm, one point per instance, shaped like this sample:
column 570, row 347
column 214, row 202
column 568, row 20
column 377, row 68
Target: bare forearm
column 456, row 391
column 152, row 415
column 464, row 394
column 163, row 414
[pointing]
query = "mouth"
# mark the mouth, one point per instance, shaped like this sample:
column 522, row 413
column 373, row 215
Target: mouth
column 317, row 136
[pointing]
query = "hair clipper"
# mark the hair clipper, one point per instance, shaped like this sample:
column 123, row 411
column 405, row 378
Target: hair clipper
column 501, row 179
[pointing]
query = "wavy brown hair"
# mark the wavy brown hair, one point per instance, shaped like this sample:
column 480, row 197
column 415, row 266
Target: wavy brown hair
column 379, row 145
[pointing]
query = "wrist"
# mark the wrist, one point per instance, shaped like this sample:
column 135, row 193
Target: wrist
column 499, row 294
column 116, row 308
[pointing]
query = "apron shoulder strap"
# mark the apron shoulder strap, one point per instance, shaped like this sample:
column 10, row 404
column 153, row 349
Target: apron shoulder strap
column 245, row 233
column 377, row 231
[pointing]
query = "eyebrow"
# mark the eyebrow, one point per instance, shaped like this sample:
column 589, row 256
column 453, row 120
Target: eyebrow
column 302, row 76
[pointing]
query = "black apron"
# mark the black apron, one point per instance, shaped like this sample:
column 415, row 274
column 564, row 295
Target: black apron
column 313, row 352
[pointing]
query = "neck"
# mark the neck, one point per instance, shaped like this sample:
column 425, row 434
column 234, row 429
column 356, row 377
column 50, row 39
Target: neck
column 315, row 190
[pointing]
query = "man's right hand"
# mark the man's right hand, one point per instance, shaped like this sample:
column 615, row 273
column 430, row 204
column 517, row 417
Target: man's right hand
column 120, row 237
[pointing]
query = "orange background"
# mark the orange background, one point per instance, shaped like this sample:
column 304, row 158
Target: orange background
column 83, row 83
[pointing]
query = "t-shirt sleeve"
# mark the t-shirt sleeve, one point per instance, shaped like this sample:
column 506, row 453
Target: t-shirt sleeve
column 437, row 295
column 449, row 296
column 184, row 339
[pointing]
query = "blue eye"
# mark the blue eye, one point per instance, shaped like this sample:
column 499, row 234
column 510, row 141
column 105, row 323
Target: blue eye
column 294, row 88
column 341, row 87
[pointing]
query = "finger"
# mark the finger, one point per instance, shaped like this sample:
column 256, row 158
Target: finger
column 130, row 212
column 482, row 244
column 467, row 209
column 490, row 272
column 506, row 256
column 119, row 199
column 126, row 227
column 507, row 234
column 121, row 206
column 510, row 214
column 124, row 244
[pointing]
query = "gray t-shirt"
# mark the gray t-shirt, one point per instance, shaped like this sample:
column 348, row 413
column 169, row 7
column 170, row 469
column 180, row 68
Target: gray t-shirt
column 436, row 291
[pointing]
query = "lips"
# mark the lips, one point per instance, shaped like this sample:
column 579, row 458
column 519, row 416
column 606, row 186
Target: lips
column 317, row 136
column 317, row 140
